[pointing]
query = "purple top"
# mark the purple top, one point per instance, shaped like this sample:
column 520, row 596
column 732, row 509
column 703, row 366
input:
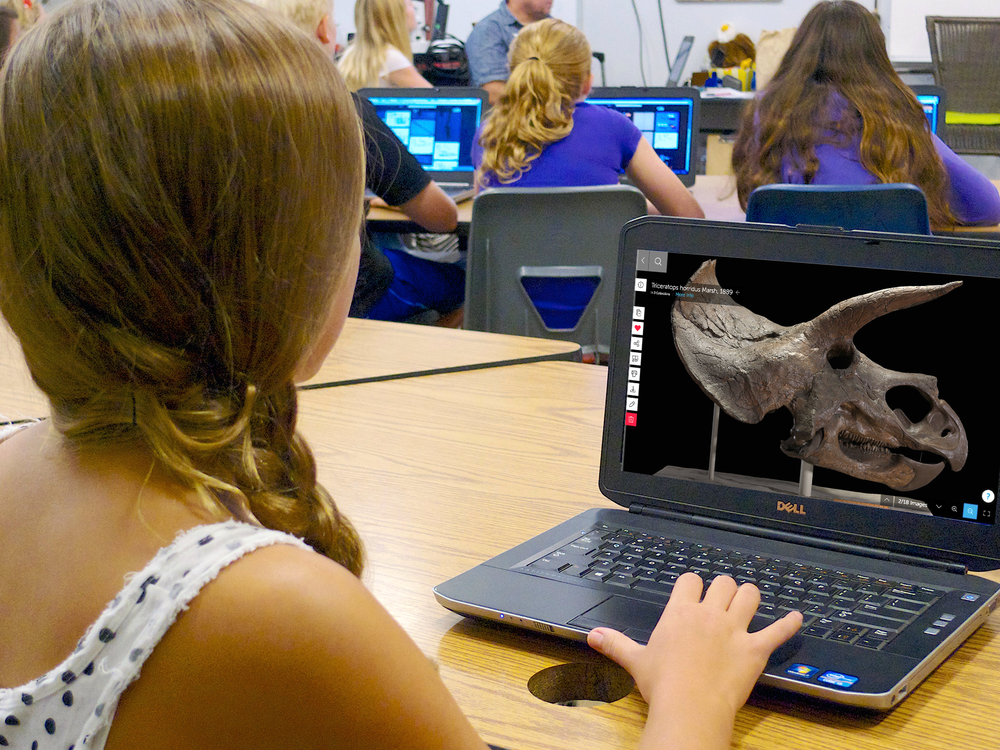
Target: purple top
column 973, row 198
column 597, row 149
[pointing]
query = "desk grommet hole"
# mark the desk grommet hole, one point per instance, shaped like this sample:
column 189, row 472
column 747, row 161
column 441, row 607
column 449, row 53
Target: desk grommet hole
column 581, row 684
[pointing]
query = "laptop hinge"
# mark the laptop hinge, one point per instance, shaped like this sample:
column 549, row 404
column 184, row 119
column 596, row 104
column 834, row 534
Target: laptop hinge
column 785, row 536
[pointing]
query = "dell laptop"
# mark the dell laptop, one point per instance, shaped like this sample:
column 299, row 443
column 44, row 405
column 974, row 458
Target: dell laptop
column 667, row 117
column 438, row 126
column 810, row 410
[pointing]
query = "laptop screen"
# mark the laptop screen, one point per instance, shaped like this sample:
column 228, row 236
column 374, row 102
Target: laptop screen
column 438, row 131
column 931, row 98
column 802, row 390
column 931, row 104
column 667, row 118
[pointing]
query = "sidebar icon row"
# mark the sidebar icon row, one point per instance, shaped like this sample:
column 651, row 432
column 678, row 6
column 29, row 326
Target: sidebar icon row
column 635, row 362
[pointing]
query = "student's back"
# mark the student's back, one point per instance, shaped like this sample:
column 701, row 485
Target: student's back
column 542, row 134
column 837, row 113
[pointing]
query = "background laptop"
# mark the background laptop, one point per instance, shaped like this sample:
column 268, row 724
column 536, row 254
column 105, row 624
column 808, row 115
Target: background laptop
column 932, row 99
column 437, row 126
column 879, row 571
column 668, row 119
column 677, row 69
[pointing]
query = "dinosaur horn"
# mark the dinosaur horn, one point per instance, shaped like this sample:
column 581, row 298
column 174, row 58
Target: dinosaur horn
column 845, row 319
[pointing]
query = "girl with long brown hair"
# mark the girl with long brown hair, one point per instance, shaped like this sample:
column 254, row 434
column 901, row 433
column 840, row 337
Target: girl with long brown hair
column 180, row 199
column 836, row 113
column 543, row 134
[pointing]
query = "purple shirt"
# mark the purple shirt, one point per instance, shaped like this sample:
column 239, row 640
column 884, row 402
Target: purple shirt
column 972, row 198
column 597, row 149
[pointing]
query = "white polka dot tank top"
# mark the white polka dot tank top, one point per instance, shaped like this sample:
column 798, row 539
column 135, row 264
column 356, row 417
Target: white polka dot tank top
column 72, row 706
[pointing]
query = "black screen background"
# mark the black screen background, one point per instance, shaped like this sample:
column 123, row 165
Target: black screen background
column 675, row 416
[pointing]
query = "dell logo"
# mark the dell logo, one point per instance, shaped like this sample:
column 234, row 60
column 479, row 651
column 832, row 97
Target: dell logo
column 792, row 508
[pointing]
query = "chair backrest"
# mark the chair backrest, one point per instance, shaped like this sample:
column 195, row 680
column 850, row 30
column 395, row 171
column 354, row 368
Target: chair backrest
column 543, row 261
column 880, row 208
column 966, row 63
column 965, row 54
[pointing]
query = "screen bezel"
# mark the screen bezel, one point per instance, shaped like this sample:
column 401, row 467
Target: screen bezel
column 941, row 539
column 679, row 92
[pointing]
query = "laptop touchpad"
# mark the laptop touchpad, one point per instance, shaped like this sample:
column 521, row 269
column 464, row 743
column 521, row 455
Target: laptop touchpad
column 633, row 617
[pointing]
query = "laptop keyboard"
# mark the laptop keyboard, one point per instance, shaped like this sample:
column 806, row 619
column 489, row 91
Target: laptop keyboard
column 838, row 605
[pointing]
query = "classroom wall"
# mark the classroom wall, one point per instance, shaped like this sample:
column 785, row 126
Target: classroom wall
column 612, row 28
column 907, row 37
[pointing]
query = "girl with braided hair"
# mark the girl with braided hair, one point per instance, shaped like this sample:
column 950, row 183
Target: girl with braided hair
column 181, row 189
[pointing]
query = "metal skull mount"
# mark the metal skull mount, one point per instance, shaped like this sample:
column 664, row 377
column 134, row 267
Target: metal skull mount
column 750, row 366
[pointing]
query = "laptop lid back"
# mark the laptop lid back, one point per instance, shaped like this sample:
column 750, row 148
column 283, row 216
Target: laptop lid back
column 667, row 117
column 823, row 386
column 677, row 69
column 438, row 126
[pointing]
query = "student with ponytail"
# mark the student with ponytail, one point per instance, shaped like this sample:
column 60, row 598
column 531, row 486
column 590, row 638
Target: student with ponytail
column 180, row 199
column 543, row 134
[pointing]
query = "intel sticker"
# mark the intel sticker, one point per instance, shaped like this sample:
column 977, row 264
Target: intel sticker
column 838, row 680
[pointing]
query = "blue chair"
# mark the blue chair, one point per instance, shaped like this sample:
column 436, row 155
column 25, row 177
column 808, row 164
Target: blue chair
column 880, row 208
column 543, row 261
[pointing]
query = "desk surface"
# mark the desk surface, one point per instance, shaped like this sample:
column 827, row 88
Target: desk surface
column 367, row 350
column 378, row 350
column 474, row 451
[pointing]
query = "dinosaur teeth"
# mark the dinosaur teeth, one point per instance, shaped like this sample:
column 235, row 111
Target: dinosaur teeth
column 850, row 439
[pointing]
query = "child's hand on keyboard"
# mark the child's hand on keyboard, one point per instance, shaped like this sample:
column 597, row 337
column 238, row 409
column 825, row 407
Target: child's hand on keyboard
column 701, row 662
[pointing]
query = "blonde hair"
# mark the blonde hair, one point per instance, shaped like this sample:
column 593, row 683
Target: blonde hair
column 549, row 68
column 305, row 14
column 180, row 187
column 379, row 24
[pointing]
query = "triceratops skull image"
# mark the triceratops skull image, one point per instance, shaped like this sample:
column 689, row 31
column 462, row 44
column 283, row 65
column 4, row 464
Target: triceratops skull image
column 750, row 366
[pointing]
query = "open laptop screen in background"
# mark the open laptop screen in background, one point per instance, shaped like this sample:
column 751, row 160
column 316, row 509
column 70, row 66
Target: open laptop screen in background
column 667, row 117
column 931, row 98
column 437, row 130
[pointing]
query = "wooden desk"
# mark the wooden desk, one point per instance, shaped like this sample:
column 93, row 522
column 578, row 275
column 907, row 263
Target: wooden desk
column 378, row 350
column 715, row 193
column 368, row 350
column 393, row 220
column 440, row 473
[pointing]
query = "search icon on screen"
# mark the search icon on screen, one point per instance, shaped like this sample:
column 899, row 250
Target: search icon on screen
column 658, row 261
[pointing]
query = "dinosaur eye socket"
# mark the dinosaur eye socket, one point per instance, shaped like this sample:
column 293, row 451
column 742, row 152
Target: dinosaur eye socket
column 841, row 356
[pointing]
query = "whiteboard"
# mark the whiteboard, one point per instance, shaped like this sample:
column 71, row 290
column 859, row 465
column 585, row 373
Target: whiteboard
column 908, row 29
